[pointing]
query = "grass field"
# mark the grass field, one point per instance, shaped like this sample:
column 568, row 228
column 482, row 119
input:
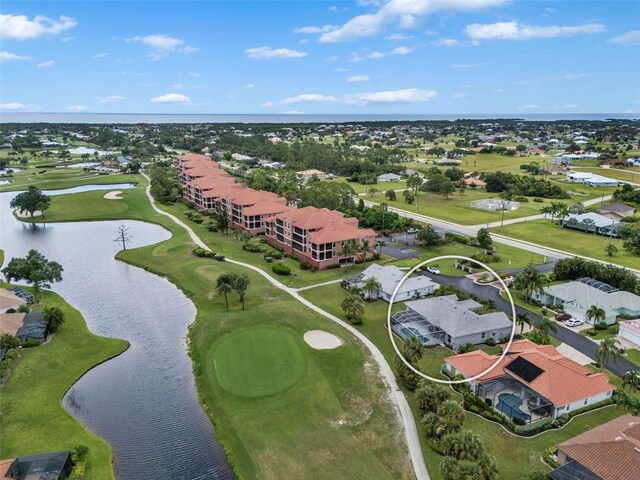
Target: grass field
column 633, row 354
column 544, row 232
column 33, row 420
column 514, row 455
column 325, row 416
column 54, row 179
column 381, row 186
column 626, row 175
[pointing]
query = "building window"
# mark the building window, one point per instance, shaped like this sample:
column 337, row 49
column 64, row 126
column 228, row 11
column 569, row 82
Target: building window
column 608, row 393
column 585, row 401
column 484, row 334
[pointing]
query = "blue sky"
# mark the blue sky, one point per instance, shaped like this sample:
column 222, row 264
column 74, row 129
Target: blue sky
column 367, row 56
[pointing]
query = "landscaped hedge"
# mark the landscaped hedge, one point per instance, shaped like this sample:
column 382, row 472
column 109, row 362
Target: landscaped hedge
column 253, row 248
column 546, row 456
column 281, row 269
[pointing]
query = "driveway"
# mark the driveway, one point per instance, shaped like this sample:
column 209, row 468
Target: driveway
column 565, row 335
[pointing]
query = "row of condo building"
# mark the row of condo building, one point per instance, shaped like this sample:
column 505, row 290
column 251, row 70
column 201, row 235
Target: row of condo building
column 314, row 235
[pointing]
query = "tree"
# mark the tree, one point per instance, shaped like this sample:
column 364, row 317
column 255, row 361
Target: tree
column 596, row 314
column 530, row 280
column 630, row 235
column 412, row 350
column 31, row 201
column 408, row 197
column 429, row 395
column 390, row 194
column 371, row 287
column 521, row 320
column 8, row 341
column 546, row 326
column 353, row 308
column 224, row 288
column 463, row 445
column 222, row 219
column 608, row 349
column 441, row 185
column 349, row 249
column 240, row 285
column 630, row 379
column 54, row 316
column 414, row 182
column 610, row 249
column 429, row 236
column 123, row 236
column 484, row 239
column 34, row 269
column 366, row 249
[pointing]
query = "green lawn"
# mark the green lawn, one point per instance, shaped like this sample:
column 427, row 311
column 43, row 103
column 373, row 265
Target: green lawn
column 55, row 179
column 544, row 232
column 33, row 420
column 304, row 420
column 633, row 354
column 513, row 454
column 381, row 186
column 627, row 175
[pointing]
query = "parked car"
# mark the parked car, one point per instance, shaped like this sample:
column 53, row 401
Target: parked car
column 574, row 322
column 413, row 230
column 562, row 317
column 433, row 270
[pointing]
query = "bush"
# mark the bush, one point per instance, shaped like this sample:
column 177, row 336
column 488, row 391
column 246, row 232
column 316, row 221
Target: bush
column 474, row 409
column 546, row 456
column 332, row 266
column 11, row 310
column 281, row 269
column 601, row 326
column 212, row 226
column 253, row 248
column 305, row 266
column 197, row 219
column 484, row 258
column 24, row 308
column 613, row 329
column 490, row 342
column 219, row 257
column 30, row 343
column 456, row 237
column 276, row 255
column 591, row 333
column 209, row 254
column 521, row 199
column 538, row 200
column 199, row 252
column 467, row 347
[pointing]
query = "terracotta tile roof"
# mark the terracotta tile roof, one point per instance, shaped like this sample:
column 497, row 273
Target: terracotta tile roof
column 9, row 299
column 189, row 157
column 223, row 191
column 563, row 381
column 249, row 196
column 265, row 208
column 5, row 465
column 614, row 460
column 310, row 218
column 624, row 427
column 339, row 232
column 11, row 322
column 207, row 183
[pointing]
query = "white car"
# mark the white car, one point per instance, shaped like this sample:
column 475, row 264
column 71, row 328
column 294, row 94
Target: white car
column 412, row 230
column 574, row 322
column 433, row 270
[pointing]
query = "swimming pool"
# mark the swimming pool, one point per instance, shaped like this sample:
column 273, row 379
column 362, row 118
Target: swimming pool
column 509, row 404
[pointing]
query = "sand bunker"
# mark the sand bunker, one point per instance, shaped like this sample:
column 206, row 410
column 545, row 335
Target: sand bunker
column 321, row 340
column 25, row 214
column 114, row 195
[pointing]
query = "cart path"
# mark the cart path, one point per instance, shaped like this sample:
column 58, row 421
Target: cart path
column 406, row 416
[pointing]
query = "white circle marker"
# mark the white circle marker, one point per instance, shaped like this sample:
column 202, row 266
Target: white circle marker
column 504, row 350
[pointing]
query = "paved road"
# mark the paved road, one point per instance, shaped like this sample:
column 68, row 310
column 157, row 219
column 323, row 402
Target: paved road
column 406, row 416
column 565, row 335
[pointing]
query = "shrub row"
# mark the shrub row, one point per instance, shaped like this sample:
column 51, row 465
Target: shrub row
column 281, row 269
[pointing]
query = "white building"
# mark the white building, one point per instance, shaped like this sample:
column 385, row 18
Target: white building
column 389, row 177
column 389, row 278
column 630, row 330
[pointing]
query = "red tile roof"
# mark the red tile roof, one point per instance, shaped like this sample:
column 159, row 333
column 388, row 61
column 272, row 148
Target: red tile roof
column 614, row 460
column 339, row 232
column 563, row 381
column 265, row 208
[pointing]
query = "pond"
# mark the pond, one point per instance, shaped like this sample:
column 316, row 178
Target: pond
column 143, row 402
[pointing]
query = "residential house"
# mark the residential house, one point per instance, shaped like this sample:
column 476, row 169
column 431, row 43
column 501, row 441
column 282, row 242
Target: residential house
column 308, row 174
column 577, row 297
column 617, row 211
column 591, row 223
column 592, row 180
column 9, row 300
column 10, row 323
column 389, row 177
column 33, row 328
column 389, row 277
column 609, row 452
column 630, row 330
column 531, row 382
column 450, row 321
column 49, row 466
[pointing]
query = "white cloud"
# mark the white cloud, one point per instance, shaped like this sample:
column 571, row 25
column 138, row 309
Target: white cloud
column 7, row 56
column 470, row 65
column 171, row 98
column 293, row 112
column 177, row 85
column 340, row 69
column 530, row 106
column 15, row 106
column 459, row 95
column 356, row 57
column 303, row 41
column 112, row 99
column 403, row 12
column 358, row 78
column 330, row 59
column 447, row 42
column 409, row 95
column 249, row 85
column 19, row 27
column 161, row 45
column 313, row 30
column 397, row 37
column 48, row 63
column 629, row 38
column 375, row 55
column 519, row 31
column 401, row 51
column 101, row 55
column 195, row 75
column 76, row 108
column 498, row 90
column 268, row 53
column 66, row 39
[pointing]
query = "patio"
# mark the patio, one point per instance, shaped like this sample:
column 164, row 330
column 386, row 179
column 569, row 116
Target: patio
column 514, row 400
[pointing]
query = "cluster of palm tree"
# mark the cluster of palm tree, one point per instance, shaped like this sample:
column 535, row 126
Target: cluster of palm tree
column 631, row 380
column 607, row 350
column 360, row 250
column 229, row 282
column 530, row 281
column 465, row 453
column 556, row 209
column 411, row 350
column 371, row 288
column 353, row 306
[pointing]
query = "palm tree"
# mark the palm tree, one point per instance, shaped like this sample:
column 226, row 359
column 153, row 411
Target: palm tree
column 530, row 280
column 349, row 249
column 371, row 287
column 365, row 249
column 224, row 289
column 546, row 326
column 412, row 350
column 487, row 466
column 596, row 314
column 463, row 445
column 240, row 285
column 631, row 379
column 452, row 415
column 608, row 349
column 353, row 308
column 429, row 395
column 521, row 320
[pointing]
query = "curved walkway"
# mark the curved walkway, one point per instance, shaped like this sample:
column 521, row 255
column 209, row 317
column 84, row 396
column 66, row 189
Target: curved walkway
column 406, row 416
